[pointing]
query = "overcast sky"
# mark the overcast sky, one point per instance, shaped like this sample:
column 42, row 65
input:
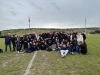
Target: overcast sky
column 49, row 13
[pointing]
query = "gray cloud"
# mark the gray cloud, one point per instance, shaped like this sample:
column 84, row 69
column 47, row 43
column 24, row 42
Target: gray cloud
column 49, row 13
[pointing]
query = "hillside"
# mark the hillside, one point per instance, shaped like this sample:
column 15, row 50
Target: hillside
column 41, row 30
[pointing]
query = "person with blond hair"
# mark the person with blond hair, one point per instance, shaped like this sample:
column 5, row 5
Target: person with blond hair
column 79, row 38
column 79, row 41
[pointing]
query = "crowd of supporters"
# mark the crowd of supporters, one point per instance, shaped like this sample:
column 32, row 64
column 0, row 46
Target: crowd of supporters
column 58, row 41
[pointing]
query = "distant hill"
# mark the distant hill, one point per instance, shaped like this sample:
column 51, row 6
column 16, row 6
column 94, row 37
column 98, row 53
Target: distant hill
column 41, row 30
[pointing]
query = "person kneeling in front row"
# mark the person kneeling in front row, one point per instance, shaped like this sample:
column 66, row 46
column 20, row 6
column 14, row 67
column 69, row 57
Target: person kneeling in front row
column 64, row 50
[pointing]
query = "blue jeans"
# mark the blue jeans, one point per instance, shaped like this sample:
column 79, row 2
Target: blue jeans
column 70, row 49
column 78, row 49
column 57, row 49
column 6, row 45
column 73, row 48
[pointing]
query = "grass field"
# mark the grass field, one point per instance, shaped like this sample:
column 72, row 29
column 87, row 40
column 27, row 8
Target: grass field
column 51, row 63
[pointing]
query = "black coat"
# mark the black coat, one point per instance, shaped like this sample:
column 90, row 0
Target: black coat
column 84, row 36
column 8, row 40
column 83, row 48
column 13, row 40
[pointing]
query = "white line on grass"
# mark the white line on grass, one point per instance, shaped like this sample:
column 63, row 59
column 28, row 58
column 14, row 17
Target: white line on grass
column 30, row 64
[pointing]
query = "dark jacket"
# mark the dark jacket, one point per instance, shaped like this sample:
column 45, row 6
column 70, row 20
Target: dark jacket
column 83, row 48
column 63, row 48
column 74, row 43
column 8, row 40
column 13, row 40
column 84, row 36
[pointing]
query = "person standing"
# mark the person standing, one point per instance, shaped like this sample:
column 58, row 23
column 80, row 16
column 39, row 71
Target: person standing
column 18, row 45
column 79, row 41
column 79, row 38
column 13, row 42
column 25, row 42
column 84, row 35
column 8, row 42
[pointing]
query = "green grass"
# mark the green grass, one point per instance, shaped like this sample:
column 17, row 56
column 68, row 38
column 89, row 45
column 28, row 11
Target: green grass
column 12, row 63
column 51, row 63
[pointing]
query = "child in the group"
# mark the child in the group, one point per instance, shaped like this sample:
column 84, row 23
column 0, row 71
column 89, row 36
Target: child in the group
column 18, row 45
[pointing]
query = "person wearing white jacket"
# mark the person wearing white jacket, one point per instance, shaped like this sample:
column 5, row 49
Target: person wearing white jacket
column 79, row 37
column 79, row 41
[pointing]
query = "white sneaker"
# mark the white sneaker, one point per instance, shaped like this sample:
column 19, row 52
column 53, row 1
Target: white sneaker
column 53, row 49
column 62, row 56
column 72, row 53
column 18, row 51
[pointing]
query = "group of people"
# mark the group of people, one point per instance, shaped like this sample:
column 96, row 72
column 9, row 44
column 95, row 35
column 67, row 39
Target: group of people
column 59, row 41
